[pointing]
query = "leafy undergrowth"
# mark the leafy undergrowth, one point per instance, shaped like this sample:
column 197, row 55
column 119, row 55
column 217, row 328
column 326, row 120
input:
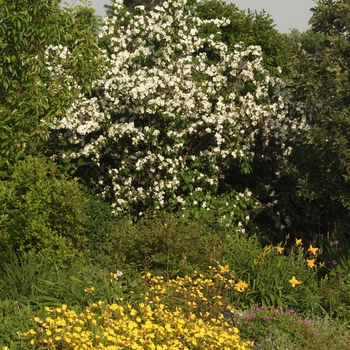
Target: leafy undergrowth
column 281, row 296
column 149, row 312
column 274, row 328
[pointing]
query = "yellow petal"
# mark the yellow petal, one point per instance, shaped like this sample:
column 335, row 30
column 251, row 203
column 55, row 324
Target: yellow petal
column 311, row 263
column 224, row 269
column 298, row 242
column 240, row 286
column 279, row 249
column 312, row 249
column 294, row 281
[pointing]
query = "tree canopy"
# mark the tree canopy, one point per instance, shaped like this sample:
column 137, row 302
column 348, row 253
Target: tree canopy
column 251, row 28
column 36, row 83
column 320, row 80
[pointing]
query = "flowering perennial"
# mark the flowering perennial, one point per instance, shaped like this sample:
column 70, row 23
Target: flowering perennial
column 149, row 324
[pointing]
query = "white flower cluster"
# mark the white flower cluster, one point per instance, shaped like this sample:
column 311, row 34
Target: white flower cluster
column 57, row 77
column 166, row 119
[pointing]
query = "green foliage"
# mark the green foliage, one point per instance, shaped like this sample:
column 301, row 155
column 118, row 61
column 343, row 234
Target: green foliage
column 251, row 28
column 273, row 328
column 28, row 280
column 330, row 73
column 100, row 232
column 268, row 273
column 131, row 4
column 310, row 41
column 37, row 84
column 42, row 210
column 32, row 280
column 168, row 243
column 316, row 191
column 336, row 293
column 14, row 316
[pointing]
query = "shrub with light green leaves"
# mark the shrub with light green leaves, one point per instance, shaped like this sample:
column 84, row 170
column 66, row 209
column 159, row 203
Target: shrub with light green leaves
column 42, row 210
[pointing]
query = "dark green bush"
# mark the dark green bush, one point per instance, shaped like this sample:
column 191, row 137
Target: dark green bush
column 168, row 244
column 100, row 228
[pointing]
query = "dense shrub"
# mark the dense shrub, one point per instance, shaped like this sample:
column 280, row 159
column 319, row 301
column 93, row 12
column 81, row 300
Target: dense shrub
column 168, row 126
column 42, row 210
column 168, row 243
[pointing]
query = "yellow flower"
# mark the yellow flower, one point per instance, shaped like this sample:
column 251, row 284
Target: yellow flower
column 224, row 269
column 312, row 249
column 310, row 263
column 279, row 249
column 298, row 242
column 89, row 289
column 240, row 286
column 32, row 332
column 294, row 281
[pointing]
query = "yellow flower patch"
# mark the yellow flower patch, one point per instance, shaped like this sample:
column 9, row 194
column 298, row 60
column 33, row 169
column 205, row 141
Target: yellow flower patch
column 149, row 324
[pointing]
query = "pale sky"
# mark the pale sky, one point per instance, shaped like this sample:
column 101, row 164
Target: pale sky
column 286, row 14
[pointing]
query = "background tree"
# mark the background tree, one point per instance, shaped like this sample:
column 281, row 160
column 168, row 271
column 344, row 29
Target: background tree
column 251, row 28
column 131, row 4
column 35, row 85
column 310, row 41
column 321, row 82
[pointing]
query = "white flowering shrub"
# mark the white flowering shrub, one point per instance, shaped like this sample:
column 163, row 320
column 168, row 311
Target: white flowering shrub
column 165, row 122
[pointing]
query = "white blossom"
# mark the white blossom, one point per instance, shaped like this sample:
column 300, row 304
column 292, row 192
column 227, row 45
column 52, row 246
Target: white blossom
column 154, row 128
